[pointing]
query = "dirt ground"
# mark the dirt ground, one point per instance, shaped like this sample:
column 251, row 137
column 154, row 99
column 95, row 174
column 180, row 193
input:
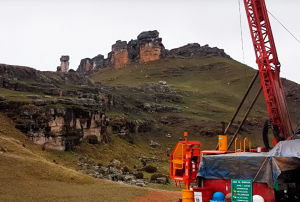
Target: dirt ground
column 159, row 196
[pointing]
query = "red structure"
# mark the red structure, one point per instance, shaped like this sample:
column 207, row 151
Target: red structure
column 186, row 154
column 269, row 67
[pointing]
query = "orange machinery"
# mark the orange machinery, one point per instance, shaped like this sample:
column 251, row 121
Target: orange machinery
column 185, row 160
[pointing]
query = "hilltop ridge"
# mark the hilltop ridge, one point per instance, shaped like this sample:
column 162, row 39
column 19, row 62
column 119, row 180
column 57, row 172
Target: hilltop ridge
column 147, row 47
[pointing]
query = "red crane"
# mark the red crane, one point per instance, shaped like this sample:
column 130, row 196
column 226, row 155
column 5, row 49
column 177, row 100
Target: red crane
column 269, row 68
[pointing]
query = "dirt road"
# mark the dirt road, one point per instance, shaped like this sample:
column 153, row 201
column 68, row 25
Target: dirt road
column 159, row 196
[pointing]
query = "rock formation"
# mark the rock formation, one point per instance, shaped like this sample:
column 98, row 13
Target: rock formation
column 88, row 64
column 194, row 50
column 147, row 47
column 119, row 58
column 61, row 128
column 150, row 46
column 64, row 64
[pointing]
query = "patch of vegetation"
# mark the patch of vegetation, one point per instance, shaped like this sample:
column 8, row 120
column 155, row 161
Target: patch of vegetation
column 131, row 138
column 150, row 169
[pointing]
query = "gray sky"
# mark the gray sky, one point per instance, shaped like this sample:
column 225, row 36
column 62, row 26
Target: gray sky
column 36, row 33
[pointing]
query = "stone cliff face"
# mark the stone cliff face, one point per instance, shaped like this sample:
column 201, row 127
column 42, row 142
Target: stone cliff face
column 61, row 128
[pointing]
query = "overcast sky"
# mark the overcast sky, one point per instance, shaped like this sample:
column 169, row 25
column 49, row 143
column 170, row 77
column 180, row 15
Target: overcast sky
column 36, row 33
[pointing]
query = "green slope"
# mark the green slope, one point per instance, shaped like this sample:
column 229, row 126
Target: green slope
column 211, row 89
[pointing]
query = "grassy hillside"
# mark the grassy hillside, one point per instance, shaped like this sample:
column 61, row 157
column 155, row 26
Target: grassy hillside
column 29, row 174
column 208, row 85
column 211, row 89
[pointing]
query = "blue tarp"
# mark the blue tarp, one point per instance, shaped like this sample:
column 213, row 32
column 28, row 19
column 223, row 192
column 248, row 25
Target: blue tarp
column 262, row 167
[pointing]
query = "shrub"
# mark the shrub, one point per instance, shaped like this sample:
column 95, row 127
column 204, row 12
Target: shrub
column 130, row 138
column 125, row 169
column 93, row 139
column 139, row 175
column 157, row 175
column 150, row 169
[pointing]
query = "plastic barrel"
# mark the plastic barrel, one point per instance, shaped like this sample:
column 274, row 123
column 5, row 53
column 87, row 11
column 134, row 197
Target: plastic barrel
column 204, row 193
column 187, row 195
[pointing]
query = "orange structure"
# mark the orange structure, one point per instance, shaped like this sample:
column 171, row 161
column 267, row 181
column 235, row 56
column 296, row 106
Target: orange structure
column 185, row 160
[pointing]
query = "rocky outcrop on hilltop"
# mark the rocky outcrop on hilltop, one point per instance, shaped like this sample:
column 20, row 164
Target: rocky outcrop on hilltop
column 88, row 64
column 147, row 47
column 194, row 50
column 26, row 79
column 150, row 46
column 22, row 73
column 119, row 54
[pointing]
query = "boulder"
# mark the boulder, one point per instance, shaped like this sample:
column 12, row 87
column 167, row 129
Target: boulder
column 3, row 149
column 140, row 184
column 159, row 178
column 2, row 98
column 148, row 36
column 162, row 180
column 150, row 169
column 116, row 163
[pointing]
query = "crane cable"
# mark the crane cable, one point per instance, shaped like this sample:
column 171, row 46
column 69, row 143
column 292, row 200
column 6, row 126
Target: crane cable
column 283, row 26
column 241, row 28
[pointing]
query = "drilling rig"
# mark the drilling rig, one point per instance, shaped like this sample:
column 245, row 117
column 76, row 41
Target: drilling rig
column 272, row 175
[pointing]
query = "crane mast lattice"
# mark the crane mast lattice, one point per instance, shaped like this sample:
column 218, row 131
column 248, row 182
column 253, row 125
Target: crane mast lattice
column 268, row 66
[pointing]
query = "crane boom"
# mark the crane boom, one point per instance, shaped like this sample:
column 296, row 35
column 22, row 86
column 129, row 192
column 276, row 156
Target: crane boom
column 268, row 66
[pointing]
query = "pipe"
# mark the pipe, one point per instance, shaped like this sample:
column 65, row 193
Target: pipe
column 245, row 117
column 241, row 103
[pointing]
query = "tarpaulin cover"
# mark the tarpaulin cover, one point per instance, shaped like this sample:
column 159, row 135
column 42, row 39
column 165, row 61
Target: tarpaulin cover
column 262, row 167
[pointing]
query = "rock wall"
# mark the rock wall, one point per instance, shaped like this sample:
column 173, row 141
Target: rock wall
column 61, row 128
